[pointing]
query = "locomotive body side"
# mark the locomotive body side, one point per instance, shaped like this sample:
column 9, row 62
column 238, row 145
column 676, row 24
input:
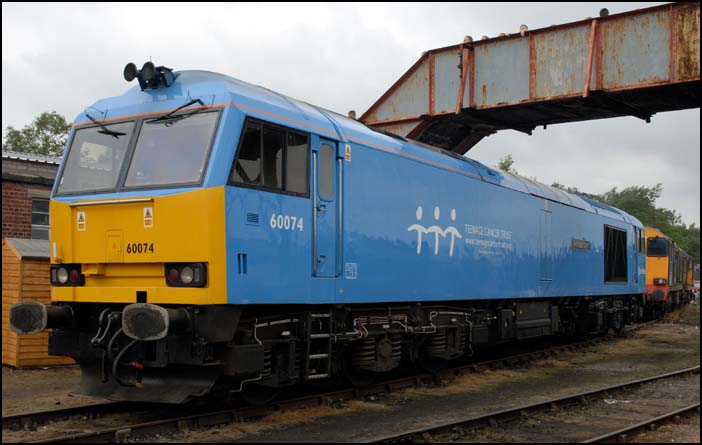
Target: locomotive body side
column 414, row 231
column 411, row 225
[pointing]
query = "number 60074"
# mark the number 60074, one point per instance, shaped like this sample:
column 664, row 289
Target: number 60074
column 140, row 247
column 286, row 222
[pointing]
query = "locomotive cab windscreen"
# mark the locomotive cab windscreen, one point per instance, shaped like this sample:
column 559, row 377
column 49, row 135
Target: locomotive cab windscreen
column 657, row 247
column 166, row 152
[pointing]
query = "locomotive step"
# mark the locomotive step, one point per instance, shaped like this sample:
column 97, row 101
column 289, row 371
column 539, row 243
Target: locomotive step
column 318, row 356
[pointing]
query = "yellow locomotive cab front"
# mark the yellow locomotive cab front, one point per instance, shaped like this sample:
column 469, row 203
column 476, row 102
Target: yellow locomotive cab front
column 123, row 246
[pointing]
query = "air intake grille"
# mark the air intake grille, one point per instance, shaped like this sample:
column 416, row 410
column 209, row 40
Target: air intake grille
column 252, row 219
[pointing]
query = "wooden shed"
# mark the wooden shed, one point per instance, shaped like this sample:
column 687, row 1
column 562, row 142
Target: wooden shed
column 25, row 276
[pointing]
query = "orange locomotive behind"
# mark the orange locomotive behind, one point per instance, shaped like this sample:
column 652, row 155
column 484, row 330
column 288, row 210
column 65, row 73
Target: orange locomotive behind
column 668, row 272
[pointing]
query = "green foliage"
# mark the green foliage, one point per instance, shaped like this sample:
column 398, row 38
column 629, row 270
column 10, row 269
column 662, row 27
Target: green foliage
column 506, row 164
column 639, row 201
column 45, row 136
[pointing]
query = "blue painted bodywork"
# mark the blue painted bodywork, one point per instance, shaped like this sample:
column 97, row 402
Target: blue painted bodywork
column 406, row 223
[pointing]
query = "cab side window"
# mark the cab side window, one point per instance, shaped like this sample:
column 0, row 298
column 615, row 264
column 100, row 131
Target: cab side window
column 272, row 158
column 642, row 241
column 247, row 168
column 615, row 258
column 273, row 150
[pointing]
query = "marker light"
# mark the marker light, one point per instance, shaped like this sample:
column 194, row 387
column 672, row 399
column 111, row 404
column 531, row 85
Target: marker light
column 62, row 275
column 186, row 275
column 66, row 275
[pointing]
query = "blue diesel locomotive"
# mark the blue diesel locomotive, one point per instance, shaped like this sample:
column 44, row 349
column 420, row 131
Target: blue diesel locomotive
column 211, row 234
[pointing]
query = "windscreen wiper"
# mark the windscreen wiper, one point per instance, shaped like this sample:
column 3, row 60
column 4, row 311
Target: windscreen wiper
column 104, row 129
column 169, row 118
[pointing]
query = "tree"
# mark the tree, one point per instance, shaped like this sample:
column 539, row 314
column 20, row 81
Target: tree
column 46, row 135
column 506, row 163
column 640, row 201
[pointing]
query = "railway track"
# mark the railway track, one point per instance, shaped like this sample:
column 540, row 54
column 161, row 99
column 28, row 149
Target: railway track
column 505, row 420
column 624, row 435
column 175, row 420
column 34, row 419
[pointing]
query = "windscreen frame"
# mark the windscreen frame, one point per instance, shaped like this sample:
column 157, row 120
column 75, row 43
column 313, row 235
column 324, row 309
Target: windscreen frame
column 131, row 147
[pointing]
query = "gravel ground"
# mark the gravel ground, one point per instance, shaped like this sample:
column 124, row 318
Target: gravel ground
column 653, row 350
column 601, row 416
column 25, row 390
column 687, row 431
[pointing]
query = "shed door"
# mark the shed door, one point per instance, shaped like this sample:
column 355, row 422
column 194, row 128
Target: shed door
column 325, row 211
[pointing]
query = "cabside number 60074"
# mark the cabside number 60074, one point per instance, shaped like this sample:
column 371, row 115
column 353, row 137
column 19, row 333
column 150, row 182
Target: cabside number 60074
column 286, row 222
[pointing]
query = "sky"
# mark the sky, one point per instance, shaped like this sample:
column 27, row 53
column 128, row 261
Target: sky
column 63, row 57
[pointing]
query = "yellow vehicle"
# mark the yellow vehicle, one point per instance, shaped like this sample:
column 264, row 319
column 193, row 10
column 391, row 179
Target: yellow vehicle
column 668, row 272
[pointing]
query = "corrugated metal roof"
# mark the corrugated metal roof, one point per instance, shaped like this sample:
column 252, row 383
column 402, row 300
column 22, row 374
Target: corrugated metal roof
column 30, row 157
column 30, row 248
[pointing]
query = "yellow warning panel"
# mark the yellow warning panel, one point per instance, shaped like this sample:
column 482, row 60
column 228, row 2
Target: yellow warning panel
column 81, row 220
column 148, row 217
column 131, row 250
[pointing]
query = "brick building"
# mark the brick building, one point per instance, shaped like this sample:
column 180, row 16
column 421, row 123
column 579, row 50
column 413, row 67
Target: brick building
column 26, row 185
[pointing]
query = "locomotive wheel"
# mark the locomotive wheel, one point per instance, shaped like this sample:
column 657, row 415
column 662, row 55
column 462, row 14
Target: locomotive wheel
column 359, row 378
column 426, row 362
column 432, row 365
column 259, row 395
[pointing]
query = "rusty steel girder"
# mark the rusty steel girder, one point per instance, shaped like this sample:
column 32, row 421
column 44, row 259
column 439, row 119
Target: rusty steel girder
column 636, row 63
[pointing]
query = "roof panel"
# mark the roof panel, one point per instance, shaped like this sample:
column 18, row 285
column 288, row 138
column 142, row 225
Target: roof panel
column 32, row 157
column 30, row 248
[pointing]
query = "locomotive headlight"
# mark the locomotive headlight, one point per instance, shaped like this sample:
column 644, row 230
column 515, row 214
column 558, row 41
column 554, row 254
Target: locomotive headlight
column 62, row 275
column 186, row 275
column 659, row 281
